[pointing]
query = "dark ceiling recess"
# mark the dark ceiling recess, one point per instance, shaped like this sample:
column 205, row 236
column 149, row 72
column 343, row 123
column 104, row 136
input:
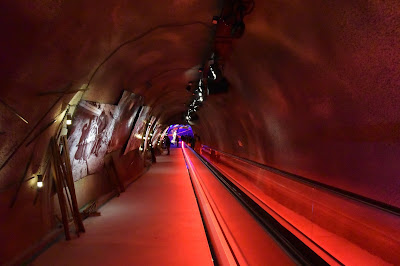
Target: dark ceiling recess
column 189, row 86
column 216, row 87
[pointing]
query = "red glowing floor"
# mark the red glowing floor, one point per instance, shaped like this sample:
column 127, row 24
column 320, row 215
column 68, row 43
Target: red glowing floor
column 155, row 222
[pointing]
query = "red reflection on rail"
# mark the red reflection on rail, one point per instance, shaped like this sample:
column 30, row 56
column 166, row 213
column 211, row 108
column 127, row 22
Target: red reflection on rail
column 234, row 231
column 332, row 225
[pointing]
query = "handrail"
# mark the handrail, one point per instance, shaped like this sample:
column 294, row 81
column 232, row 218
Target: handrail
column 219, row 244
column 299, row 251
column 353, row 196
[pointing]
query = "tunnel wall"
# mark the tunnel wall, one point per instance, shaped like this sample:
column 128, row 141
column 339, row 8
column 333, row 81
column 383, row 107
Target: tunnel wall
column 314, row 91
column 30, row 223
column 27, row 225
column 50, row 50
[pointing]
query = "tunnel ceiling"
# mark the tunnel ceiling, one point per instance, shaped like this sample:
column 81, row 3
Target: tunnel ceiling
column 152, row 48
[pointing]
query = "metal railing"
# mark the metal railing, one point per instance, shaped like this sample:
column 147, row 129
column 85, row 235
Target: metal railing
column 332, row 223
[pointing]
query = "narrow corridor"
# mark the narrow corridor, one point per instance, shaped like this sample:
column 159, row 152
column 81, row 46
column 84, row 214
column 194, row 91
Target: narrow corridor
column 155, row 222
column 282, row 118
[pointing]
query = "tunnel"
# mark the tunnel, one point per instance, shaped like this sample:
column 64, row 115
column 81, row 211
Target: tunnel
column 188, row 132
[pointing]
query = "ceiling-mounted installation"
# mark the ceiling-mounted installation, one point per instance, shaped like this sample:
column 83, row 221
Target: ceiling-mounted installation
column 196, row 101
column 229, row 25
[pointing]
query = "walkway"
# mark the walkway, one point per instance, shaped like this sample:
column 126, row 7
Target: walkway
column 155, row 222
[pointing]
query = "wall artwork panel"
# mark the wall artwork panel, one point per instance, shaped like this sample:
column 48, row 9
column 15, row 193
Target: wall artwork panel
column 125, row 115
column 156, row 134
column 138, row 131
column 89, row 136
column 150, row 126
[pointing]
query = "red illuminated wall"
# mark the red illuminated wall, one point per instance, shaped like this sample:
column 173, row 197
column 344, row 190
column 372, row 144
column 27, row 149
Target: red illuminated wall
column 315, row 91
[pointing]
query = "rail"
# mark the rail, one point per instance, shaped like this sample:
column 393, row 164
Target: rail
column 350, row 229
column 228, row 250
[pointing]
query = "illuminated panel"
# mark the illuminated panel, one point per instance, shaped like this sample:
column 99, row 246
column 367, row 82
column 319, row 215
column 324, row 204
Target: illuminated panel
column 156, row 134
column 125, row 114
column 91, row 132
column 148, row 130
column 136, row 137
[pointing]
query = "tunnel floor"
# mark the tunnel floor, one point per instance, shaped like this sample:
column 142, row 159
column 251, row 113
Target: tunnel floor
column 155, row 222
